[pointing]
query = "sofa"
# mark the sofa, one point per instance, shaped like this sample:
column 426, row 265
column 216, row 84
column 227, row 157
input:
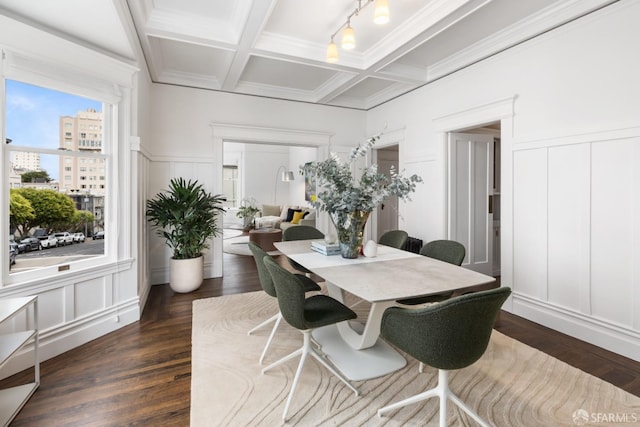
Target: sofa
column 286, row 216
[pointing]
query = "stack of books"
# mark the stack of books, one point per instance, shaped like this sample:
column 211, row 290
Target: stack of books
column 325, row 248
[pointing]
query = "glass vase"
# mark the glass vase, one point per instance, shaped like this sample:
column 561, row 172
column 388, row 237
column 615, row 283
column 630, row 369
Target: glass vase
column 350, row 229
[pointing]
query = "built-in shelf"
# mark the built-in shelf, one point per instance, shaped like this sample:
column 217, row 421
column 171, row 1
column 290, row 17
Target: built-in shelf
column 13, row 399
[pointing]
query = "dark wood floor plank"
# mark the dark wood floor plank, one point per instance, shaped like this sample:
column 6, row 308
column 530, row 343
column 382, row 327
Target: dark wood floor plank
column 141, row 374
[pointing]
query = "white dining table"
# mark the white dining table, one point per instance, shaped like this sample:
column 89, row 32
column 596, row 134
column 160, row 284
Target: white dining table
column 391, row 275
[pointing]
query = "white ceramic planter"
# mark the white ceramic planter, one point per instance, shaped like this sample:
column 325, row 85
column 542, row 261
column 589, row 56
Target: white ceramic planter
column 186, row 275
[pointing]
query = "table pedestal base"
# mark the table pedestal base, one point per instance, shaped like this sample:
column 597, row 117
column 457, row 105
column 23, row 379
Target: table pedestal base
column 358, row 365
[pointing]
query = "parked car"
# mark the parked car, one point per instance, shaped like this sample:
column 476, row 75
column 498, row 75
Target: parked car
column 78, row 237
column 22, row 247
column 40, row 233
column 64, row 238
column 98, row 235
column 50, row 242
column 29, row 244
column 13, row 252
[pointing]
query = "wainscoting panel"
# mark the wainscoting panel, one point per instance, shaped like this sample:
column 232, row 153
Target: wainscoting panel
column 530, row 223
column 576, row 236
column 615, row 215
column 89, row 296
column 569, row 226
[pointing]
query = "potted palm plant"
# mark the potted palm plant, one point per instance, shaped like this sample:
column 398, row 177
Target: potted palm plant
column 186, row 216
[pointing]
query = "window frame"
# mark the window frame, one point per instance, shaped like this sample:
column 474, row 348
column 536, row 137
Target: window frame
column 18, row 67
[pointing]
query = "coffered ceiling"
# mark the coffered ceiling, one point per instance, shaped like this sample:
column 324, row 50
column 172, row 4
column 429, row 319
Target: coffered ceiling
column 277, row 48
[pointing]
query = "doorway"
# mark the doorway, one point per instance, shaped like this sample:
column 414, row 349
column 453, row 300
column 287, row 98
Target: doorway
column 387, row 212
column 474, row 195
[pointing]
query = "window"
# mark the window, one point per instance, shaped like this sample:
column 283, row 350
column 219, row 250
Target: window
column 57, row 200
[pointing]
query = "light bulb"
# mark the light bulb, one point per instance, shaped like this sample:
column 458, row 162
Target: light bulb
column 348, row 38
column 332, row 52
column 381, row 12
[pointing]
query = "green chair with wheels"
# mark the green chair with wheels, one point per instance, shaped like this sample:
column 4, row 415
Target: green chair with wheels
column 267, row 285
column 301, row 232
column 451, row 335
column 394, row 238
column 305, row 314
column 444, row 250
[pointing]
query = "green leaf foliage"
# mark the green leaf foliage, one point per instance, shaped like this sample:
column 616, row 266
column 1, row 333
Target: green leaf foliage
column 339, row 193
column 20, row 211
column 186, row 216
column 52, row 210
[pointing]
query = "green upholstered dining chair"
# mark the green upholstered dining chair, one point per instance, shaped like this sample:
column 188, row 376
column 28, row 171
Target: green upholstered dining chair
column 301, row 232
column 267, row 285
column 451, row 335
column 394, row 238
column 305, row 314
column 443, row 250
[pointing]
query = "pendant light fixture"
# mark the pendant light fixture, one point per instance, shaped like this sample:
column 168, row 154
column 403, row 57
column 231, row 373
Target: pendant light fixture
column 348, row 37
column 332, row 52
column 381, row 12
column 380, row 16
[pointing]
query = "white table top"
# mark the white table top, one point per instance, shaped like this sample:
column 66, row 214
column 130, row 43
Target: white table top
column 392, row 275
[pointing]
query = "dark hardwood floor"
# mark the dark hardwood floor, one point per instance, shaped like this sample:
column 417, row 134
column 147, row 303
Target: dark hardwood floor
column 141, row 374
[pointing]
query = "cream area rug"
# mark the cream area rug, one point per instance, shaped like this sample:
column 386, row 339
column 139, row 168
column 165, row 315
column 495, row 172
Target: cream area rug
column 511, row 385
column 229, row 233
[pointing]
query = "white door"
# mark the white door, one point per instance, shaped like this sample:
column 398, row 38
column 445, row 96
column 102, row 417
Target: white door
column 470, row 198
column 388, row 211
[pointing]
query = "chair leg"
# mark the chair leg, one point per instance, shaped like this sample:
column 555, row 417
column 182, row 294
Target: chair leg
column 303, row 358
column 467, row 409
column 283, row 360
column 413, row 399
column 333, row 370
column 266, row 322
column 443, row 392
column 304, row 352
column 273, row 332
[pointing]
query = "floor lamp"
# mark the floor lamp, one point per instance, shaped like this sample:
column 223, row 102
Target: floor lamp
column 287, row 176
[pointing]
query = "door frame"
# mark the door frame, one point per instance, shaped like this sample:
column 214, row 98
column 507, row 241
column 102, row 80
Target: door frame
column 501, row 110
column 221, row 132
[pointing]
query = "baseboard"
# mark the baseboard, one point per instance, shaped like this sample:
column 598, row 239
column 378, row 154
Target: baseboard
column 612, row 337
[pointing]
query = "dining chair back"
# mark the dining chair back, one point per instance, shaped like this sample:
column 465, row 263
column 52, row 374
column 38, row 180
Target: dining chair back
column 301, row 232
column 451, row 335
column 394, row 238
column 444, row 250
column 305, row 314
column 266, row 282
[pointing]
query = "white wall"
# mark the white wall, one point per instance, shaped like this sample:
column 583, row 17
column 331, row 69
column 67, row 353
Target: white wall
column 184, row 143
column 570, row 180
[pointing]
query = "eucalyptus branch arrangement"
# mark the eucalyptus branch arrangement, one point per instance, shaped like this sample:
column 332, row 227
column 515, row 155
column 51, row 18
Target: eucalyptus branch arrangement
column 340, row 193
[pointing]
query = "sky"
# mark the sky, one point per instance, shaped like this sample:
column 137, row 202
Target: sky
column 33, row 114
